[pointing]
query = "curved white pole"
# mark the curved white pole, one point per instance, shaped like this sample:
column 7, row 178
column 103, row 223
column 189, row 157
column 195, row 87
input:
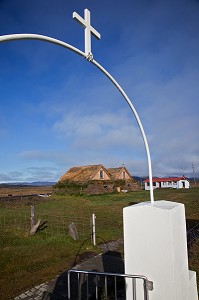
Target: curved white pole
column 29, row 36
column 138, row 121
column 32, row 36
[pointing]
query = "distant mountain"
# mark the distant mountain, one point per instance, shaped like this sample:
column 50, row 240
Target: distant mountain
column 41, row 183
column 140, row 179
column 36, row 183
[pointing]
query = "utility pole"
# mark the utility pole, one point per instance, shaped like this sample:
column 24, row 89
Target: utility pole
column 194, row 178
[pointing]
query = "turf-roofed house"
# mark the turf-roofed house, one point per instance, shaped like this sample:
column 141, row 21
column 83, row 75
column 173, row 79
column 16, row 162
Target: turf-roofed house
column 96, row 179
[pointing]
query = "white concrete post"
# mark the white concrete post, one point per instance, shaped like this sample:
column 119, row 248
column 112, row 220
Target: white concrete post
column 155, row 246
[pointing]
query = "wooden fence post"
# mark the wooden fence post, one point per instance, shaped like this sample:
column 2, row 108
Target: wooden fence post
column 32, row 216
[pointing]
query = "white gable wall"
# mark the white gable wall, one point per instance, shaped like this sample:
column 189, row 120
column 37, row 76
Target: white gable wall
column 169, row 184
column 183, row 184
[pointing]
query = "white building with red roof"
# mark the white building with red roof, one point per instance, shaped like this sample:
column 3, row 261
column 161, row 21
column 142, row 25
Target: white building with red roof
column 168, row 182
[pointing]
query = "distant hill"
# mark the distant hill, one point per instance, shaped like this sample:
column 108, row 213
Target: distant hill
column 140, row 179
column 45, row 183
column 36, row 183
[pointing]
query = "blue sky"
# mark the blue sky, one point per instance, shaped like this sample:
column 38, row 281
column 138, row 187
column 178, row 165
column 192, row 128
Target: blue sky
column 57, row 110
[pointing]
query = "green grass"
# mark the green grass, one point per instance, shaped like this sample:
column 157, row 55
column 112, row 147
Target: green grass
column 30, row 260
column 27, row 261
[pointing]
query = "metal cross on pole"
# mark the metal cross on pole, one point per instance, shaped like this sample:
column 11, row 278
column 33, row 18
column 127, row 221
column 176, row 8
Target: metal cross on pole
column 88, row 29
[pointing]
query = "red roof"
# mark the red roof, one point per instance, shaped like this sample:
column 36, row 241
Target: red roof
column 157, row 179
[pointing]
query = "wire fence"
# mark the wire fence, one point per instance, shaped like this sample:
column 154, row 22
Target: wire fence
column 50, row 223
column 58, row 224
column 15, row 219
column 193, row 234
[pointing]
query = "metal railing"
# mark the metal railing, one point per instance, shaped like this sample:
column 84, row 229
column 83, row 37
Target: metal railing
column 100, row 285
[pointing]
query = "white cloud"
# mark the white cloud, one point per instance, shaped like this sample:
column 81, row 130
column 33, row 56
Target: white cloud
column 5, row 178
column 32, row 174
column 41, row 174
column 55, row 157
column 104, row 130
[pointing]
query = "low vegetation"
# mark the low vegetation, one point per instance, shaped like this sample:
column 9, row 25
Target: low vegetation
column 70, row 187
column 15, row 190
column 30, row 260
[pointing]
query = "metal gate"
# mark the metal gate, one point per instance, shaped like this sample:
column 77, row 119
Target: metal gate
column 84, row 285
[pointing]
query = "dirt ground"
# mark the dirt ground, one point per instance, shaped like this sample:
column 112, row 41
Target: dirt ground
column 20, row 190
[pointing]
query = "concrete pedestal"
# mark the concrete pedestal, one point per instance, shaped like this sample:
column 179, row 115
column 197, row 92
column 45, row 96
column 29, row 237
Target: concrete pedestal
column 155, row 246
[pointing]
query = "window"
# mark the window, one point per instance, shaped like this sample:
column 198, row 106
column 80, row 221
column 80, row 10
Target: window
column 124, row 175
column 101, row 174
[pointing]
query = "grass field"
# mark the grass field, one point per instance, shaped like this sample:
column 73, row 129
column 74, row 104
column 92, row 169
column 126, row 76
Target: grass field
column 30, row 260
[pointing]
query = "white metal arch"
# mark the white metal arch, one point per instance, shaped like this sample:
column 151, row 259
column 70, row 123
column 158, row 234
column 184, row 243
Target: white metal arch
column 29, row 36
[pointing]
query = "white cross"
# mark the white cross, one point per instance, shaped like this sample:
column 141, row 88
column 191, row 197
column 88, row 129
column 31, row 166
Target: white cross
column 88, row 29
